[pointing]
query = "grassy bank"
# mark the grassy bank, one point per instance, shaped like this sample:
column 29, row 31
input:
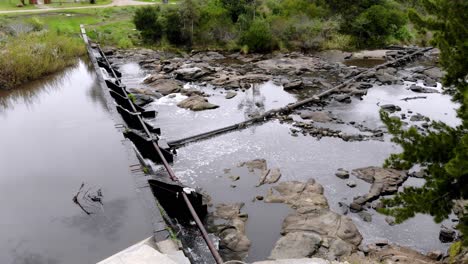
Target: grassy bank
column 30, row 56
column 11, row 5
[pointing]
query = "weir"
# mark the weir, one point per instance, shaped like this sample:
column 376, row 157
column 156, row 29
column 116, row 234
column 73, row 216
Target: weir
column 181, row 203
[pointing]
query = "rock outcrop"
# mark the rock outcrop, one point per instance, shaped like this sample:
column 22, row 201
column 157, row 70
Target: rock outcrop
column 230, row 228
column 384, row 181
column 312, row 230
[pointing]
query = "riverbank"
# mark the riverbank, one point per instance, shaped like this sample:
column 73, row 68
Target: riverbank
column 344, row 131
column 30, row 56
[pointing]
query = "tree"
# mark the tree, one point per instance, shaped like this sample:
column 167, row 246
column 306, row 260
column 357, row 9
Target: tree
column 191, row 12
column 443, row 151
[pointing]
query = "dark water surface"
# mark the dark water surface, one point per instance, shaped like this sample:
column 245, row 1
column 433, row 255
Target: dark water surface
column 56, row 134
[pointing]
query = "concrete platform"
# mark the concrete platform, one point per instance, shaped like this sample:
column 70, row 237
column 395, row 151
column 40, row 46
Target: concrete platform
column 148, row 252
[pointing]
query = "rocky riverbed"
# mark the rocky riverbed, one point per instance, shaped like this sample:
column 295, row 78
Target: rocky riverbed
column 306, row 184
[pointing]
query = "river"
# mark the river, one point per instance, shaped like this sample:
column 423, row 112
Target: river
column 209, row 163
column 55, row 135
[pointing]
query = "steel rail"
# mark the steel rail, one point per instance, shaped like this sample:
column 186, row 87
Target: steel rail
column 166, row 165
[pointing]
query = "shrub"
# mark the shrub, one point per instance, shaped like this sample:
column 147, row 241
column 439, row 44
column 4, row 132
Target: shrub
column 374, row 26
column 176, row 32
column 147, row 21
column 36, row 24
column 258, row 37
column 125, row 43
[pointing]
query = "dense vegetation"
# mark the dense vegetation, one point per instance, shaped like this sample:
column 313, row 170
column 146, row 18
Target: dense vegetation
column 265, row 25
column 28, row 55
column 443, row 151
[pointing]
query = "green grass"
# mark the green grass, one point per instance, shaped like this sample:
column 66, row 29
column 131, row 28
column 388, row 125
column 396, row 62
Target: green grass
column 30, row 56
column 11, row 5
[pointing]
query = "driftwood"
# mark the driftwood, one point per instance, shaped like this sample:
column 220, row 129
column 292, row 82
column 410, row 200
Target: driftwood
column 413, row 98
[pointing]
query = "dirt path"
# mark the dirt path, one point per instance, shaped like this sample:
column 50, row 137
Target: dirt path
column 114, row 3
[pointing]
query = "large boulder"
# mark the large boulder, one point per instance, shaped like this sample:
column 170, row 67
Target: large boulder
column 190, row 74
column 296, row 245
column 196, row 103
column 230, row 227
column 166, row 86
column 312, row 230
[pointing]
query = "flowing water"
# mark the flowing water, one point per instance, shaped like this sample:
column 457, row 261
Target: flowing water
column 56, row 134
column 209, row 163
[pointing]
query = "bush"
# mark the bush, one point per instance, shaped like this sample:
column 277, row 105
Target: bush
column 125, row 43
column 36, row 24
column 374, row 26
column 258, row 37
column 147, row 21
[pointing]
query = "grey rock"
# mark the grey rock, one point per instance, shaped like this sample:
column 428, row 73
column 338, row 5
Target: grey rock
column 390, row 108
column 355, row 207
column 384, row 181
column 365, row 216
column 446, row 234
column 298, row 84
column 189, row 74
column 435, row 254
column 342, row 173
column 351, row 184
column 390, row 220
column 418, row 89
column 417, row 117
column 321, row 117
column 166, row 86
column 196, row 103
column 296, row 245
column 343, row 98
column 230, row 95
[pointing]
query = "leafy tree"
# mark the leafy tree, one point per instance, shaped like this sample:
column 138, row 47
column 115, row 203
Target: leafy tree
column 176, row 31
column 237, row 7
column 373, row 26
column 258, row 37
column 444, row 149
column 147, row 21
column 190, row 10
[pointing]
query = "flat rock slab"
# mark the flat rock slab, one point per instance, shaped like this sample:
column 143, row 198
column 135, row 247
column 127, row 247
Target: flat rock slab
column 316, row 116
column 384, row 181
column 166, row 86
column 312, row 230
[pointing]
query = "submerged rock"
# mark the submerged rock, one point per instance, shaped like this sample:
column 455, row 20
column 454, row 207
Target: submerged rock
column 342, row 173
column 316, row 116
column 230, row 95
column 270, row 176
column 197, row 103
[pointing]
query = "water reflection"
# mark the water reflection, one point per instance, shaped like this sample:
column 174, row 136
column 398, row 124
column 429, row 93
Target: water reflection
column 103, row 223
